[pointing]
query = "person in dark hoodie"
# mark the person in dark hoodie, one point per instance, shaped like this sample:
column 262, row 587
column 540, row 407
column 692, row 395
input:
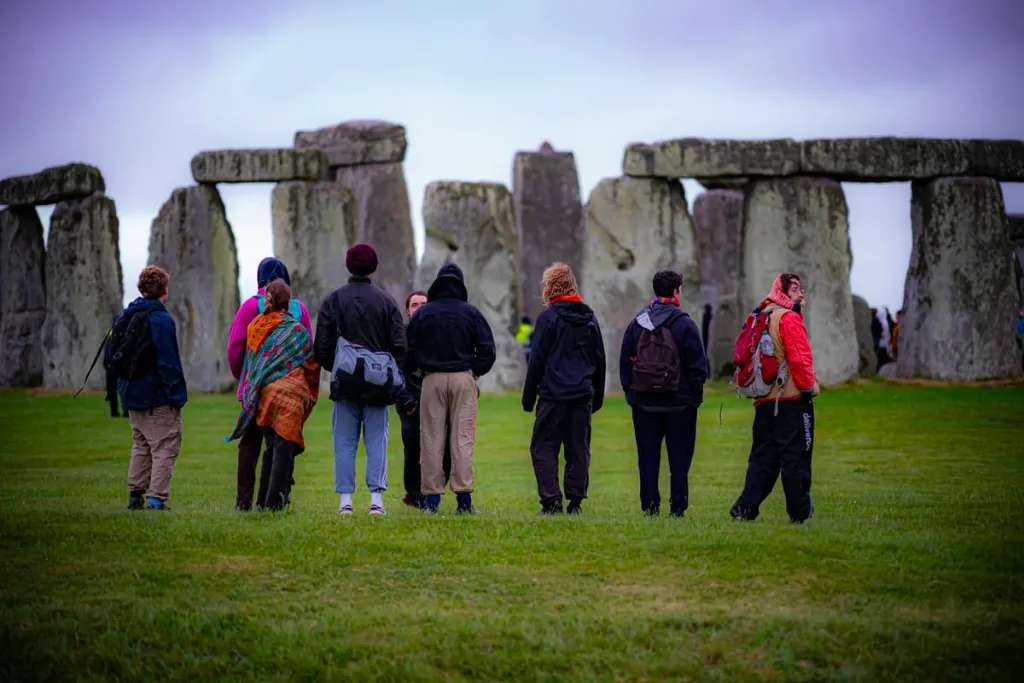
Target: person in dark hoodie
column 365, row 315
column 567, row 370
column 153, row 394
column 249, row 445
column 663, row 368
column 452, row 344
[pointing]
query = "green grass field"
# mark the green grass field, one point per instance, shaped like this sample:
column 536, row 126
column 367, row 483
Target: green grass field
column 912, row 568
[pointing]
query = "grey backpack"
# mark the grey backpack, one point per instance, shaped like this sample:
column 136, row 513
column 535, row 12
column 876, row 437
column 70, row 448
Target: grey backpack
column 364, row 376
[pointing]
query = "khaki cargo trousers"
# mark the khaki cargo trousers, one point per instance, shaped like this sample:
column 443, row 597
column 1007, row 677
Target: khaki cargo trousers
column 447, row 412
column 156, row 440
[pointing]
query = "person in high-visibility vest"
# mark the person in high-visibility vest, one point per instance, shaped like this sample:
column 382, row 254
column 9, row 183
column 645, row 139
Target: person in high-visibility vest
column 524, row 334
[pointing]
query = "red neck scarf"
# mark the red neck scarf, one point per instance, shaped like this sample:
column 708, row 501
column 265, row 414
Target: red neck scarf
column 674, row 300
column 570, row 298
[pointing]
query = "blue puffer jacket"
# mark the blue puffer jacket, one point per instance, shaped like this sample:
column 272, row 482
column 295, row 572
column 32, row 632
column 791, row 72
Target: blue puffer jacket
column 164, row 385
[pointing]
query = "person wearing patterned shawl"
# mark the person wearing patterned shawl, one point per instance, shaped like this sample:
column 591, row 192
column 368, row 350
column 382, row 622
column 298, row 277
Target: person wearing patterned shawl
column 281, row 381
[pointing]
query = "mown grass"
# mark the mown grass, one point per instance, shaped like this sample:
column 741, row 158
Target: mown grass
column 911, row 568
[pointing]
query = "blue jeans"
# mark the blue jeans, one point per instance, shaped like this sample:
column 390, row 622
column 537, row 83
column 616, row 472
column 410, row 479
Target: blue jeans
column 348, row 417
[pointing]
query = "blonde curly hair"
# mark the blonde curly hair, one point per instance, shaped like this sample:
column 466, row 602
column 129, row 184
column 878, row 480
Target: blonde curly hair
column 557, row 280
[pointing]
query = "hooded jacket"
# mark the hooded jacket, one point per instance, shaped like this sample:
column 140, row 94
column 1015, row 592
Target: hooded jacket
column 693, row 364
column 448, row 334
column 567, row 360
column 164, row 384
column 362, row 313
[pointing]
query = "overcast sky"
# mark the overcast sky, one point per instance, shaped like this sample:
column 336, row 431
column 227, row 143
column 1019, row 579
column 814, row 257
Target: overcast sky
column 137, row 88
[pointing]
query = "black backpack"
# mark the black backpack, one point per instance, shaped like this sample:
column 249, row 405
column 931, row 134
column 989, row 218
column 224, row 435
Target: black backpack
column 130, row 351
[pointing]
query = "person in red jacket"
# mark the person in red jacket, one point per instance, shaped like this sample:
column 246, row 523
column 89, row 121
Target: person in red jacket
column 783, row 436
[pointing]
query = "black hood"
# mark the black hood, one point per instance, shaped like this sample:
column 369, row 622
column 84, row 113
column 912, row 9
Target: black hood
column 449, row 284
column 271, row 269
column 573, row 313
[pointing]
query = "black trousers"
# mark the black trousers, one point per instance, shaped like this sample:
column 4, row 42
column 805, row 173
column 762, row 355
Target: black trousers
column 411, row 451
column 276, row 474
column 781, row 443
column 566, row 426
column 679, row 432
column 248, row 455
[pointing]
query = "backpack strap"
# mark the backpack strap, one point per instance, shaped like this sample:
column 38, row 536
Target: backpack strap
column 294, row 308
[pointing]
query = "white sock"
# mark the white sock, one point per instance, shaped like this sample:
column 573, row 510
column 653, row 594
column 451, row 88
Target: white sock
column 377, row 499
column 346, row 499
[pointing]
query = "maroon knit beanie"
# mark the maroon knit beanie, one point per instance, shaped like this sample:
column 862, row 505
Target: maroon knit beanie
column 361, row 259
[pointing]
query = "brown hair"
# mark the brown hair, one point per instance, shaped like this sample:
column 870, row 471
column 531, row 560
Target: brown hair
column 278, row 295
column 153, row 282
column 786, row 279
column 557, row 280
column 411, row 295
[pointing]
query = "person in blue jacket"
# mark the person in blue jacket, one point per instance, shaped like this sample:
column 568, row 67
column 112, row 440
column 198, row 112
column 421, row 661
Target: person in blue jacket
column 153, row 393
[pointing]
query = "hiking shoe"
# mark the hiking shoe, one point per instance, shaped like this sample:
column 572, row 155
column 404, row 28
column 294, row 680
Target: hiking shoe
column 411, row 501
column 677, row 512
column 377, row 511
column 466, row 510
column 551, row 508
column 575, row 507
column 345, row 509
column 136, row 500
column 429, row 509
column 153, row 503
column 653, row 511
column 742, row 514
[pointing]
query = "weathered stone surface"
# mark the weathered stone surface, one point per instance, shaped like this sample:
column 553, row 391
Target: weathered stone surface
column 192, row 240
column 1015, row 227
column 549, row 218
column 883, row 158
column 314, row 224
column 22, row 296
column 999, row 159
column 357, row 142
column 477, row 220
column 724, row 183
column 957, row 320
column 704, row 158
column 383, row 218
column 52, row 185
column 83, row 289
column 1015, row 231
column 258, row 165
column 718, row 224
column 865, row 344
column 800, row 225
column 634, row 228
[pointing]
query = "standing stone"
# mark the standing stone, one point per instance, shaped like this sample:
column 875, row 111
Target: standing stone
column 799, row 225
column 314, row 224
column 51, row 185
column 718, row 223
column 22, row 296
column 865, row 344
column 192, row 240
column 357, row 142
column 83, row 289
column 634, row 228
column 546, row 191
column 383, row 218
column 957, row 319
column 474, row 222
column 1015, row 230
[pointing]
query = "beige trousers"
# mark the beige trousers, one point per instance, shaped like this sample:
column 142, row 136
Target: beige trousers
column 156, row 440
column 447, row 411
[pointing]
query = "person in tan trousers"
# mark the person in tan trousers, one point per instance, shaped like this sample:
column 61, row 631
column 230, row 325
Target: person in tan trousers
column 144, row 347
column 452, row 344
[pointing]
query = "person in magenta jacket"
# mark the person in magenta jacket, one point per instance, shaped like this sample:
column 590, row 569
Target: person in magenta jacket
column 249, row 445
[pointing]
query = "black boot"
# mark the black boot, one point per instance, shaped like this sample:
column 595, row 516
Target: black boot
column 136, row 500
column 575, row 506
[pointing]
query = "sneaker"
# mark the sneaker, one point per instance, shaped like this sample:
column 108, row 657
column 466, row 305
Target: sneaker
column 411, row 501
column 677, row 512
column 377, row 511
column 742, row 514
column 575, row 507
column 345, row 509
column 153, row 503
column 466, row 510
column 136, row 500
column 652, row 511
column 551, row 509
column 429, row 509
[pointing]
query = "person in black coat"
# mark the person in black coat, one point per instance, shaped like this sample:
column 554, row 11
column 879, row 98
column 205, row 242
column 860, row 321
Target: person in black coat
column 667, row 411
column 567, row 371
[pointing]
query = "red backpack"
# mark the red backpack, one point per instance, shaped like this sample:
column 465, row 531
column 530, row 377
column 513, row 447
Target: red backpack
column 757, row 370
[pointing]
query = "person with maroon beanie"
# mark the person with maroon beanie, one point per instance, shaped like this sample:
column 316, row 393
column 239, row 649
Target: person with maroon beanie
column 783, row 434
column 363, row 315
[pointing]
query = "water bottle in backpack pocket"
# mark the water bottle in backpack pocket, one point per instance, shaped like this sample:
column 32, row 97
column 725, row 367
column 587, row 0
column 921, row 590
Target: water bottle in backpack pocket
column 364, row 376
column 757, row 369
